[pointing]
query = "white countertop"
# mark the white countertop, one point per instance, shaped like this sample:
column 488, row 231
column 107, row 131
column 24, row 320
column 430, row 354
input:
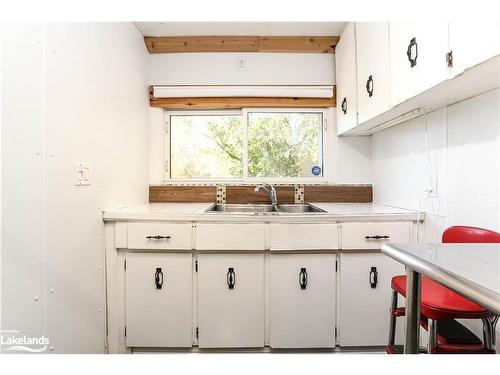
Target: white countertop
column 472, row 270
column 195, row 212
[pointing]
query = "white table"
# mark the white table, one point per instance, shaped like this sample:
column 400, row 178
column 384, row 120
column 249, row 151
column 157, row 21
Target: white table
column 472, row 270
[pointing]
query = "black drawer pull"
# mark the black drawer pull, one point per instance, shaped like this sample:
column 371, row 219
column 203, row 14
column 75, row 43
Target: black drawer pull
column 412, row 58
column 158, row 237
column 373, row 277
column 369, row 86
column 158, row 278
column 303, row 278
column 231, row 278
column 376, row 237
column 344, row 105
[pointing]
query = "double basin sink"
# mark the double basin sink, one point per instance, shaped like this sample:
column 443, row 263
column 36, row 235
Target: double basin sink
column 265, row 209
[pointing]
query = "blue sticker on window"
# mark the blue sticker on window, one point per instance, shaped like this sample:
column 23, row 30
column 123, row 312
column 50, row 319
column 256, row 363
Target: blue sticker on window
column 316, row 170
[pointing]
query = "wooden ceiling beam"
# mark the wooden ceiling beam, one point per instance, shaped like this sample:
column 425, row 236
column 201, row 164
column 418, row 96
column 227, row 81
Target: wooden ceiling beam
column 298, row 44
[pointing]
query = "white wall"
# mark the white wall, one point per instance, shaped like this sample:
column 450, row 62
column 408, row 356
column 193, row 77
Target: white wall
column 261, row 68
column 71, row 93
column 455, row 152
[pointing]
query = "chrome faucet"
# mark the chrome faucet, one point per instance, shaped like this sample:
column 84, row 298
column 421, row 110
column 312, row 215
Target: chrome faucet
column 271, row 192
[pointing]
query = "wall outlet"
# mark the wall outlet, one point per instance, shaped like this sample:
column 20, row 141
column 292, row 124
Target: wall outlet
column 241, row 64
column 82, row 174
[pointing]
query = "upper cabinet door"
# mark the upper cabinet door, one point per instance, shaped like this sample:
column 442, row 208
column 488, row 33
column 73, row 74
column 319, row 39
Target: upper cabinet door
column 372, row 41
column 417, row 57
column 473, row 43
column 345, row 64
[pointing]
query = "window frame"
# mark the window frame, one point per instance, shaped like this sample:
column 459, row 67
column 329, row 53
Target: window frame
column 243, row 112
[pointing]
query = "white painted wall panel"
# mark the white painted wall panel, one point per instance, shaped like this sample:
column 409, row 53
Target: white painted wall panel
column 474, row 162
column 97, row 113
column 22, row 178
column 261, row 68
column 77, row 92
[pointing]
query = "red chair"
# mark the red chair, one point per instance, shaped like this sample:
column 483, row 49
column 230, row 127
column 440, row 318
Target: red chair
column 439, row 303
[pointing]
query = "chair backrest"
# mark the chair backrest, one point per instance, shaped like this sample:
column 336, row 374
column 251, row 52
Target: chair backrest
column 462, row 234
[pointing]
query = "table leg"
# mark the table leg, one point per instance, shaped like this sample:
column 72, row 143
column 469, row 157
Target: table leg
column 412, row 313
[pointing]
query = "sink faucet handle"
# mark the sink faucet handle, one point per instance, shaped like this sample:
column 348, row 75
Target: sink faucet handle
column 271, row 192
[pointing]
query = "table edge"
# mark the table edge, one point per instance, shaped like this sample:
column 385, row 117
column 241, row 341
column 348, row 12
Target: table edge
column 482, row 296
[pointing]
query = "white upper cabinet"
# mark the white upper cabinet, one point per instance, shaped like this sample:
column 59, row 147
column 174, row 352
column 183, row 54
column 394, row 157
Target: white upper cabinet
column 417, row 57
column 473, row 43
column 345, row 64
column 373, row 74
column 388, row 73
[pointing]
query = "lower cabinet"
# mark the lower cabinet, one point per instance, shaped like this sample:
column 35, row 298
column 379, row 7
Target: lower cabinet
column 158, row 299
column 365, row 297
column 302, row 300
column 231, row 300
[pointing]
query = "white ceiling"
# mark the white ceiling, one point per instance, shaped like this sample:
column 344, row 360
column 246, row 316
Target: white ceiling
column 240, row 28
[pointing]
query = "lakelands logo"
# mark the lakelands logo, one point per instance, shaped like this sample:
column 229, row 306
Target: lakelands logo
column 14, row 341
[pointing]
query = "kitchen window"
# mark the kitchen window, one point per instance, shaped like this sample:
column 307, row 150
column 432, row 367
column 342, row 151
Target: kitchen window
column 281, row 145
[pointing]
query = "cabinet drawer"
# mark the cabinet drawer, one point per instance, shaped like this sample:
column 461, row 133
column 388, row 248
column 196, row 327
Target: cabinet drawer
column 171, row 236
column 230, row 236
column 304, row 236
column 372, row 235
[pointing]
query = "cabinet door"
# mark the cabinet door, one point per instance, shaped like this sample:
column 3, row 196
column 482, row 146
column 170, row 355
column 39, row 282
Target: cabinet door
column 231, row 300
column 302, row 298
column 363, row 303
column 345, row 67
column 417, row 57
column 473, row 43
column 372, row 41
column 158, row 295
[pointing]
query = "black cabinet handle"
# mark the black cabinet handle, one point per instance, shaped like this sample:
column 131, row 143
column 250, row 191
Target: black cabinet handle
column 344, row 105
column 412, row 58
column 377, row 237
column 369, row 86
column 373, row 277
column 303, row 278
column 231, row 278
column 158, row 237
column 158, row 278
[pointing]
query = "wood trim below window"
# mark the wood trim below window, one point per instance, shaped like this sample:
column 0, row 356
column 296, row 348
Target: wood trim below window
column 240, row 102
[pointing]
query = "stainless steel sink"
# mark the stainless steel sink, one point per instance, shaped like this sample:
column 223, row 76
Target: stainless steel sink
column 305, row 208
column 240, row 208
column 264, row 209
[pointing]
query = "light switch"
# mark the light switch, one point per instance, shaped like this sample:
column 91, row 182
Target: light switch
column 82, row 174
column 241, row 64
